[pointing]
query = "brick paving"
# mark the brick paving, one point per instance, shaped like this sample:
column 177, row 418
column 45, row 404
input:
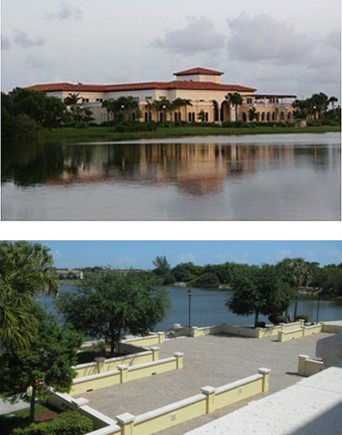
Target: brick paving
column 211, row 360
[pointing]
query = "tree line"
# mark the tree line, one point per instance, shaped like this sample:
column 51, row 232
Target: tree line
column 327, row 279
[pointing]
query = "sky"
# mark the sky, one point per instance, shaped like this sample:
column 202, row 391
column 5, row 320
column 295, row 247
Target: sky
column 290, row 46
column 140, row 254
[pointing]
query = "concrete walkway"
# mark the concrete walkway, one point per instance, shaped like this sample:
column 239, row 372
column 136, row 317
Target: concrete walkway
column 211, row 360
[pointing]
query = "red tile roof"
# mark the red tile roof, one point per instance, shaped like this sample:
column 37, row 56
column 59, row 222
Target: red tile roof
column 198, row 70
column 176, row 84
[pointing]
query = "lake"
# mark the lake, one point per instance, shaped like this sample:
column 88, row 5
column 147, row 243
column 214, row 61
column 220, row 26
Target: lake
column 256, row 177
column 208, row 308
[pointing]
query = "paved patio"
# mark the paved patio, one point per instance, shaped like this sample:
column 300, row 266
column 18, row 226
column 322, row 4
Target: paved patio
column 211, row 360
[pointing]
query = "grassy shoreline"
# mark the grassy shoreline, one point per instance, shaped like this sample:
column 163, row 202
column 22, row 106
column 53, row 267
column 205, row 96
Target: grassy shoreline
column 108, row 134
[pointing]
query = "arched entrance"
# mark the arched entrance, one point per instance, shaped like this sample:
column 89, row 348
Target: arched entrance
column 225, row 111
column 216, row 111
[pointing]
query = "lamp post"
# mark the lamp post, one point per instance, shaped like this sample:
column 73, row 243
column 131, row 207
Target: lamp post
column 318, row 300
column 189, row 294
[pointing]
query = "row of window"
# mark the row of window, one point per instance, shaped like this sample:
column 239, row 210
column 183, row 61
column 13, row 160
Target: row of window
column 162, row 117
column 274, row 116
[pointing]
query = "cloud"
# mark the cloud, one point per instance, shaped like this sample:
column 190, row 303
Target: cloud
column 25, row 41
column 198, row 36
column 262, row 38
column 5, row 43
column 65, row 12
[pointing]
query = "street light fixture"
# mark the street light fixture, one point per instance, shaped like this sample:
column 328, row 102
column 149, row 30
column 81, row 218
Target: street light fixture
column 189, row 294
column 318, row 301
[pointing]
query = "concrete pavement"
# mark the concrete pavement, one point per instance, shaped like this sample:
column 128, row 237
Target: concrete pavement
column 211, row 360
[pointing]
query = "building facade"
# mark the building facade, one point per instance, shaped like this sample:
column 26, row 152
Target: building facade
column 207, row 99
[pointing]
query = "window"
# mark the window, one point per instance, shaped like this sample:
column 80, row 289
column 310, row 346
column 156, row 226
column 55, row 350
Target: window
column 178, row 117
column 99, row 100
column 148, row 116
column 85, row 100
column 191, row 116
column 249, row 100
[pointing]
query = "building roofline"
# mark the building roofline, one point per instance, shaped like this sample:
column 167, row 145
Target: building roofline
column 175, row 84
column 198, row 70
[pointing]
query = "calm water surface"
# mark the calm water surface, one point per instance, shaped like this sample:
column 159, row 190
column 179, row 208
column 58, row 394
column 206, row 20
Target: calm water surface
column 208, row 308
column 264, row 177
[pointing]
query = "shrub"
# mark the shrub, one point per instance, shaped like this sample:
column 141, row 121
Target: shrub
column 67, row 423
column 277, row 318
column 260, row 325
column 302, row 317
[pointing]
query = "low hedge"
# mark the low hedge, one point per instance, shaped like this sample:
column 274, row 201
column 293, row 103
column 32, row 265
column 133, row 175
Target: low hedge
column 66, row 423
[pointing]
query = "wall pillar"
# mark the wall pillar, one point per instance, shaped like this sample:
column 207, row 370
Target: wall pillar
column 126, row 421
column 100, row 363
column 123, row 369
column 209, row 392
column 179, row 360
column 266, row 378
column 155, row 353
column 301, row 364
column 161, row 337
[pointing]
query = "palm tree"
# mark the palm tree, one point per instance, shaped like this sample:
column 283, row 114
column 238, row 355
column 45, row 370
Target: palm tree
column 72, row 99
column 297, row 274
column 180, row 102
column 236, row 100
column 162, row 106
column 26, row 270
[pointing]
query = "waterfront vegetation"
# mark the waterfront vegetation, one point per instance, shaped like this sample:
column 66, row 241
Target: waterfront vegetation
column 29, row 116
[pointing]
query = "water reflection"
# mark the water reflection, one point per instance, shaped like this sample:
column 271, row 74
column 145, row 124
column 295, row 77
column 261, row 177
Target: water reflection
column 193, row 169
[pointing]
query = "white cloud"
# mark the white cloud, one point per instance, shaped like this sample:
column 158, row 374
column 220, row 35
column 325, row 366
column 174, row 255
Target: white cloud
column 262, row 38
column 65, row 11
column 198, row 36
column 22, row 39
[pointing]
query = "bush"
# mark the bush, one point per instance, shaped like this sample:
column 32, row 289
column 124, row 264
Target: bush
column 302, row 317
column 67, row 423
column 277, row 318
column 260, row 325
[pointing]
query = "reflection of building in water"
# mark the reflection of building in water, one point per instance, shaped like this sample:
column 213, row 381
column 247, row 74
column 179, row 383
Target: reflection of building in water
column 195, row 168
column 207, row 99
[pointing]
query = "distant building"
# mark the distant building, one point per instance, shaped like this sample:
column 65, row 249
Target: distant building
column 69, row 274
column 203, row 89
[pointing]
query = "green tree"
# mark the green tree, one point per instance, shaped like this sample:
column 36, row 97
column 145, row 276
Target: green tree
column 297, row 274
column 162, row 265
column 186, row 272
column 162, row 106
column 236, row 100
column 46, row 111
column 178, row 103
column 122, row 109
column 207, row 280
column 26, row 270
column 72, row 99
column 110, row 303
column 258, row 290
column 79, row 116
column 47, row 362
